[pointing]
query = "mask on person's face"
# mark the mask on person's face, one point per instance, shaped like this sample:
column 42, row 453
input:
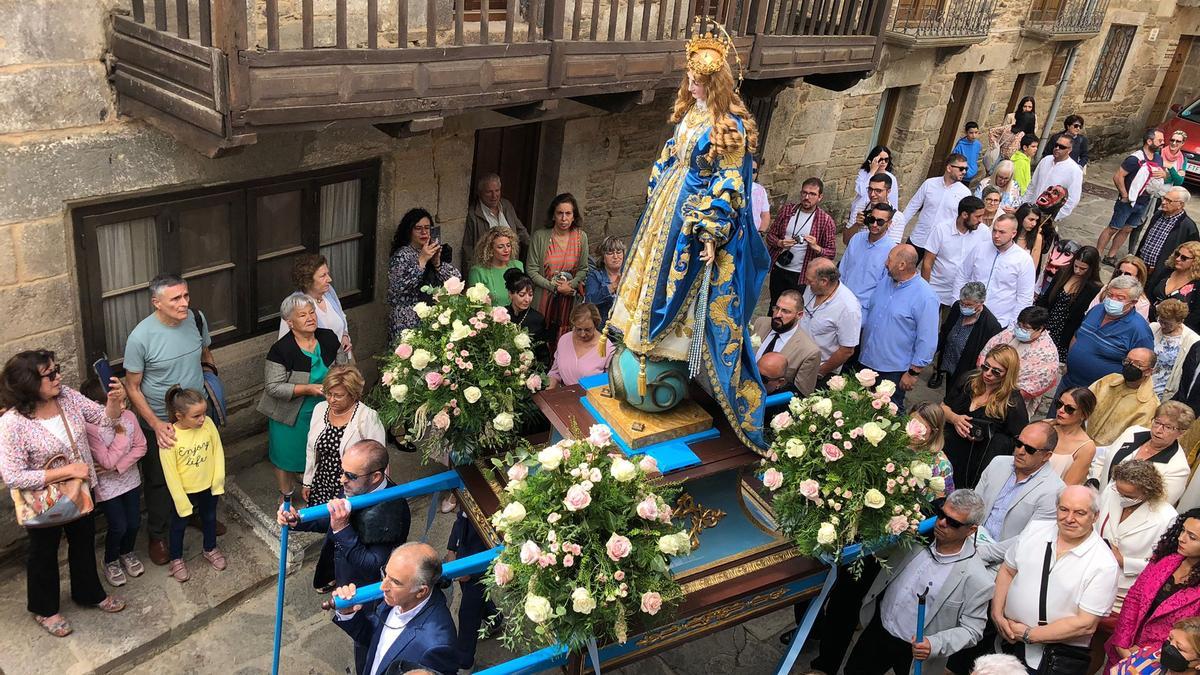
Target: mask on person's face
column 967, row 311
column 1172, row 659
column 1114, row 307
column 1130, row 502
column 1022, row 335
column 1131, row 373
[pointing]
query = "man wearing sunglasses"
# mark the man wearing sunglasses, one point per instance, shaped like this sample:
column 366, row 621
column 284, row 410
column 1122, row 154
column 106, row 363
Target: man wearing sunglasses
column 937, row 201
column 1170, row 227
column 1057, row 168
column 1131, row 179
column 1017, row 489
column 958, row 586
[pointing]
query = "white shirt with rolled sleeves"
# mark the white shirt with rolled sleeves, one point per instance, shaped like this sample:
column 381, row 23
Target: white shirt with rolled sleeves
column 938, row 205
column 833, row 324
column 952, row 248
column 1065, row 173
column 1008, row 276
column 1085, row 578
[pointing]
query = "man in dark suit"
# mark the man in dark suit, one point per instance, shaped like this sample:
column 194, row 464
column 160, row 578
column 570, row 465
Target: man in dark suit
column 474, row 606
column 412, row 627
column 1169, row 227
column 772, row 368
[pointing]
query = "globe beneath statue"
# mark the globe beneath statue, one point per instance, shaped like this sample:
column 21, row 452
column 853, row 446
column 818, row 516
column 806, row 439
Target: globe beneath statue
column 666, row 381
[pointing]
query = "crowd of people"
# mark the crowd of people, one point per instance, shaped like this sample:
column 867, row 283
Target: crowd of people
column 1069, row 528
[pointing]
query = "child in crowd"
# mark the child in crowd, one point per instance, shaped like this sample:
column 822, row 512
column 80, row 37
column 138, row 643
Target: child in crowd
column 195, row 472
column 116, row 451
column 1022, row 161
column 971, row 147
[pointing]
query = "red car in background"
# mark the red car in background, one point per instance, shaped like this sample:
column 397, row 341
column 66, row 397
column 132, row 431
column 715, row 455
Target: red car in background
column 1187, row 119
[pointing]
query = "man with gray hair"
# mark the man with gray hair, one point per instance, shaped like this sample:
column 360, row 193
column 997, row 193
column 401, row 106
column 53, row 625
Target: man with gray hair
column 1056, row 583
column 490, row 210
column 996, row 664
column 164, row 349
column 832, row 316
column 968, row 326
column 957, row 587
column 412, row 627
column 1108, row 332
column 1169, row 227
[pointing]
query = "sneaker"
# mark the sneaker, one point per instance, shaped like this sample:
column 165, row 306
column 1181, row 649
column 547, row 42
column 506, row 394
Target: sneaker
column 215, row 558
column 133, row 566
column 114, row 573
column 178, row 569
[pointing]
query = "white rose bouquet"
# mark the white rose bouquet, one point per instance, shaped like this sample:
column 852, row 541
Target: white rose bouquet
column 841, row 469
column 459, row 383
column 588, row 541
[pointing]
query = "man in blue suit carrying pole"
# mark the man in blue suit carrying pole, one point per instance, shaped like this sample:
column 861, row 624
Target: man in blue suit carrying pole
column 412, row 627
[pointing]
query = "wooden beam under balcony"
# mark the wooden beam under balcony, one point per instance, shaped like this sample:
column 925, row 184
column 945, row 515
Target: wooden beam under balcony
column 617, row 102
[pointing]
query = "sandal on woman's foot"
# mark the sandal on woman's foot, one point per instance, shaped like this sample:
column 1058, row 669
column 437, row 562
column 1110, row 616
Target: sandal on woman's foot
column 112, row 604
column 179, row 570
column 55, row 625
column 215, row 558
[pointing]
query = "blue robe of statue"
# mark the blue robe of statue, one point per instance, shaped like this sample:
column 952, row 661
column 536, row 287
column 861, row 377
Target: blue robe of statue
column 691, row 201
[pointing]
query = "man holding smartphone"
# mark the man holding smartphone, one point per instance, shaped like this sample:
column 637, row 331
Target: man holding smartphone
column 164, row 349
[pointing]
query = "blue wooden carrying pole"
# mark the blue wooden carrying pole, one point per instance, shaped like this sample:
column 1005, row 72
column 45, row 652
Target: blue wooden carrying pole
column 279, row 586
column 917, row 664
column 463, row 567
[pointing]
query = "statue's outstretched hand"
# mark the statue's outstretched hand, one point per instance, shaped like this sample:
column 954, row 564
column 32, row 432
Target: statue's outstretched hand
column 708, row 252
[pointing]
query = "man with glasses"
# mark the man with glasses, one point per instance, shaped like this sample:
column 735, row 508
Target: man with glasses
column 937, row 201
column 1057, row 169
column 1056, row 583
column 1124, row 399
column 1130, row 179
column 879, row 189
column 957, row 587
column 866, row 252
column 802, row 232
column 358, row 541
column 412, row 627
column 781, row 333
column 1170, row 227
column 1016, row 490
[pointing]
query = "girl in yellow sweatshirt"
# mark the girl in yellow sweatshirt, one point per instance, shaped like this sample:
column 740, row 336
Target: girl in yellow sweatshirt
column 195, row 471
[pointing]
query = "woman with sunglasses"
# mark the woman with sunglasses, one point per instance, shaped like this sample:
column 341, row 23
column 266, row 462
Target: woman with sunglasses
column 45, row 419
column 984, row 414
column 1158, row 445
column 1172, row 154
column 1075, row 449
column 1071, row 293
column 1129, row 266
column 1178, row 280
column 879, row 160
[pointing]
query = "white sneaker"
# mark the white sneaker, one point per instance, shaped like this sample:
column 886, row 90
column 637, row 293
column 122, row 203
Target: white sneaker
column 114, row 573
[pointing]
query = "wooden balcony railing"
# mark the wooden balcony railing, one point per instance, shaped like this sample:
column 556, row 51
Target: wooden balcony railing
column 1065, row 20
column 217, row 72
column 950, row 23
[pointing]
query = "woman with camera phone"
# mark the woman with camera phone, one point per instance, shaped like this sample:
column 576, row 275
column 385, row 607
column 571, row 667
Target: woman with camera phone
column 984, row 413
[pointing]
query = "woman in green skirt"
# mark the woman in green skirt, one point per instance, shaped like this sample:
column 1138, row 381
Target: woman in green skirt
column 296, row 366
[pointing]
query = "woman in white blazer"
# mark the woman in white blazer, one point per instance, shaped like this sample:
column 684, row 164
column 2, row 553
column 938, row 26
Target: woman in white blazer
column 1134, row 513
column 1159, row 445
column 338, row 422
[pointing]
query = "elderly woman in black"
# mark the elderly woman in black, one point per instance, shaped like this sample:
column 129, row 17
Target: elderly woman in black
column 45, row 420
column 968, row 326
column 416, row 261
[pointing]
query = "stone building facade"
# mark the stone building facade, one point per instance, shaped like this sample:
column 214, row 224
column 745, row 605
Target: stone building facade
column 64, row 150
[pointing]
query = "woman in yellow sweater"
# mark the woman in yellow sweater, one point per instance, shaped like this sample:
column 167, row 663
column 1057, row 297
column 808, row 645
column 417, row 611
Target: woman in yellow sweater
column 195, row 471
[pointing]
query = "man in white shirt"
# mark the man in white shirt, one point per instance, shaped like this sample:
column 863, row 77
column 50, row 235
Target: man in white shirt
column 937, row 201
column 1005, row 268
column 831, row 317
column 1056, row 583
column 947, row 248
column 1057, row 168
column 781, row 333
column 412, row 627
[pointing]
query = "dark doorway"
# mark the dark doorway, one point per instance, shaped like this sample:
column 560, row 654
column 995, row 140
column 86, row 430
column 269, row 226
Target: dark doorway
column 1169, row 92
column 951, row 123
column 511, row 153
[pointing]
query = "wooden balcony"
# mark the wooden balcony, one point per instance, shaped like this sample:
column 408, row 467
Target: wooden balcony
column 216, row 73
column 1064, row 21
column 919, row 24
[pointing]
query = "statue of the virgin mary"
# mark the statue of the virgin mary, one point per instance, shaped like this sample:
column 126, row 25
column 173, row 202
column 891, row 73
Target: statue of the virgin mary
column 697, row 263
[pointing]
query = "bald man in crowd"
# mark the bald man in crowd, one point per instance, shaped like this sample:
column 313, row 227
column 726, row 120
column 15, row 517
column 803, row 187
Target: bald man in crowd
column 1124, row 399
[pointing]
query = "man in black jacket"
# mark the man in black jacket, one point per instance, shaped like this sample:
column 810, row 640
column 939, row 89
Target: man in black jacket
column 474, row 607
column 1169, row 227
column 359, row 541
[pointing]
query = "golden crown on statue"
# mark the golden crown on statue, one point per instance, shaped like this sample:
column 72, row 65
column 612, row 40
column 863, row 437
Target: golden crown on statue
column 707, row 51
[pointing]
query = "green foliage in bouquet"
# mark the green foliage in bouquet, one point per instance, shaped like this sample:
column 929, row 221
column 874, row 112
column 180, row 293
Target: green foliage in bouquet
column 460, row 382
column 588, row 542
column 841, row 469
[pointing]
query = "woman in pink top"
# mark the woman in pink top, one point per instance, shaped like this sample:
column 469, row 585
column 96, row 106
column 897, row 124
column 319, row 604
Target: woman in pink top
column 578, row 354
column 116, row 451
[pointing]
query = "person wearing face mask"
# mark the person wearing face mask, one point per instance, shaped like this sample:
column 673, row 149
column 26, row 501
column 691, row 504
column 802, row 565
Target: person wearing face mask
column 1179, row 279
column 1005, row 268
column 1107, row 334
column 1124, row 399
column 968, row 326
column 1172, row 342
column 1179, row 654
column 1158, row 443
column 1166, row 592
column 947, row 247
column 1134, row 514
column 1039, row 356
column 1129, row 266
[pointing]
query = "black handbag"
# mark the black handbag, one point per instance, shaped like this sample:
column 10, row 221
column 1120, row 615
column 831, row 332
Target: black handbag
column 1057, row 658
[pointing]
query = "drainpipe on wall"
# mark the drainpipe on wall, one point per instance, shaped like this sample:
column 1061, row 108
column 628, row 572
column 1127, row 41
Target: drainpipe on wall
column 1059, row 90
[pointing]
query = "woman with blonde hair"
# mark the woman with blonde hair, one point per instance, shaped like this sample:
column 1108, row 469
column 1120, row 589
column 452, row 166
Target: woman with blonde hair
column 696, row 257
column 1002, row 180
column 926, row 424
column 1179, row 281
column 984, row 415
column 495, row 255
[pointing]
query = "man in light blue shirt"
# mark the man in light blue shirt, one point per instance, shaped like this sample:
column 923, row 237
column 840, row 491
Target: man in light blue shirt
column 863, row 261
column 900, row 330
